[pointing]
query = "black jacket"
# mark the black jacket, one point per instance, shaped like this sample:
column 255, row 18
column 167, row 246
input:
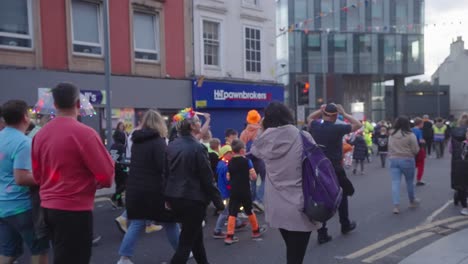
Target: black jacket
column 360, row 148
column 428, row 132
column 145, row 184
column 189, row 174
column 459, row 168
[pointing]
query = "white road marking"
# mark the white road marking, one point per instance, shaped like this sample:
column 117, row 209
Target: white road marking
column 397, row 247
column 395, row 237
column 458, row 224
column 430, row 218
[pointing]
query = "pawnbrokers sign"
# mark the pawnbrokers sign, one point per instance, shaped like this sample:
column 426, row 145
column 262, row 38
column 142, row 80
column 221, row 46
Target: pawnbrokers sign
column 235, row 95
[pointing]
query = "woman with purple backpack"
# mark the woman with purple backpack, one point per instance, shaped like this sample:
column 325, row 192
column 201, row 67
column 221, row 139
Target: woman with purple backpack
column 280, row 147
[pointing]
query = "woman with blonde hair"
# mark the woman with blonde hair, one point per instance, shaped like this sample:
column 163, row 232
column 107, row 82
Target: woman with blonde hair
column 145, row 184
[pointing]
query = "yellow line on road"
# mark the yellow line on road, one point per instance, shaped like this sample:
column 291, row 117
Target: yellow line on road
column 397, row 247
column 101, row 199
column 458, row 224
column 395, row 237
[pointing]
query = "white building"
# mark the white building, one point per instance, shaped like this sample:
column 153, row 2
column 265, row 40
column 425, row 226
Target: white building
column 235, row 39
column 453, row 72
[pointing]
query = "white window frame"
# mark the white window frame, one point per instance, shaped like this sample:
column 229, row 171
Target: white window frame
column 100, row 33
column 247, row 3
column 21, row 36
column 157, row 36
column 220, row 43
column 244, row 37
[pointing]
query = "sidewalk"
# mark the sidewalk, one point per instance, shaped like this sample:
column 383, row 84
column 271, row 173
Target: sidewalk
column 452, row 249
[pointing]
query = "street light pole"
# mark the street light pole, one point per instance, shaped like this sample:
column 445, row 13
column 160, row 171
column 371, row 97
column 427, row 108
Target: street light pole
column 324, row 70
column 107, row 73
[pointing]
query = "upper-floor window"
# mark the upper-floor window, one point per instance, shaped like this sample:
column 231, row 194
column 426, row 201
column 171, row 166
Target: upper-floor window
column 16, row 24
column 211, row 42
column 314, row 42
column 87, row 27
column 253, row 59
column 340, row 42
column 146, row 36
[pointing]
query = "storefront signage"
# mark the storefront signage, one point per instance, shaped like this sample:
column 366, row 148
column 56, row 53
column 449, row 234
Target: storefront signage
column 235, row 95
column 95, row 97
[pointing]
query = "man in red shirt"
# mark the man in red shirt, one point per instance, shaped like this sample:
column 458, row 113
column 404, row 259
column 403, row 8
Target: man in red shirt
column 69, row 163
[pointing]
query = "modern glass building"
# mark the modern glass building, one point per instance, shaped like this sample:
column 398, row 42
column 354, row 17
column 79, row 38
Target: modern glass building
column 346, row 49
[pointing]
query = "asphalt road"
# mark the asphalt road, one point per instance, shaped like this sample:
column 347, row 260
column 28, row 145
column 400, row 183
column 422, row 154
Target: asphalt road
column 381, row 237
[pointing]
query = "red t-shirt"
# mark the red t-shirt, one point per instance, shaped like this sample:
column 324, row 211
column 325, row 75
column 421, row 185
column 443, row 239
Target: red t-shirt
column 69, row 163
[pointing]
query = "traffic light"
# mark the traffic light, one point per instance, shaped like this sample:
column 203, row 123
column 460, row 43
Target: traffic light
column 303, row 93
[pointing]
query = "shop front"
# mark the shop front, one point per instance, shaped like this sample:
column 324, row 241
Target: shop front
column 229, row 102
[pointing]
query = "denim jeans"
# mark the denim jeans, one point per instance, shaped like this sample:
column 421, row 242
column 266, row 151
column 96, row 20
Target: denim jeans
column 222, row 218
column 258, row 191
column 136, row 227
column 407, row 167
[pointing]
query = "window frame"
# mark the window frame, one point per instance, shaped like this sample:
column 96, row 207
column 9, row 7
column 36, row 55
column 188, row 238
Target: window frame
column 30, row 36
column 220, row 42
column 100, row 32
column 247, row 3
column 157, row 37
column 252, row 50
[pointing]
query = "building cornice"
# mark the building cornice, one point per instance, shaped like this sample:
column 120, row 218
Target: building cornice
column 253, row 17
column 213, row 9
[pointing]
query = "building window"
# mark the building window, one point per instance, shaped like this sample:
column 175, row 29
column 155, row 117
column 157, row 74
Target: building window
column 253, row 60
column 340, row 42
column 365, row 44
column 15, row 23
column 313, row 42
column 377, row 13
column 87, row 27
column 250, row 2
column 327, row 8
column 146, row 36
column 211, row 43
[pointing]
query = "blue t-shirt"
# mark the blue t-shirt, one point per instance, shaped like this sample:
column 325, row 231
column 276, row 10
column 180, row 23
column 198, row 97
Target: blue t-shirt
column 15, row 153
column 418, row 133
column 223, row 183
column 329, row 136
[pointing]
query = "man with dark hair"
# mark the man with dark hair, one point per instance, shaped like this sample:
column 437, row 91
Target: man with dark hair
column 329, row 136
column 16, row 219
column 230, row 135
column 69, row 164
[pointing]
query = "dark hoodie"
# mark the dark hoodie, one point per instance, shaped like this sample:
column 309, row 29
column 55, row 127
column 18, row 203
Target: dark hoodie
column 145, row 183
column 459, row 167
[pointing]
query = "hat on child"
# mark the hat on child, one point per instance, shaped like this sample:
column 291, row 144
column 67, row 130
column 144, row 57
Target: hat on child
column 253, row 117
column 224, row 149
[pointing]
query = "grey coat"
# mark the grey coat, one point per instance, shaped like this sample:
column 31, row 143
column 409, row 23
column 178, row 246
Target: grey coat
column 281, row 150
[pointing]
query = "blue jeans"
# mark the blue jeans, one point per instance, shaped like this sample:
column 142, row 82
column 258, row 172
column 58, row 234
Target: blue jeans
column 222, row 218
column 136, row 227
column 258, row 191
column 407, row 167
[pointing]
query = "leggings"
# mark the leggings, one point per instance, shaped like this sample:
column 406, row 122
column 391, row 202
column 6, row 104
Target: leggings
column 356, row 162
column 296, row 245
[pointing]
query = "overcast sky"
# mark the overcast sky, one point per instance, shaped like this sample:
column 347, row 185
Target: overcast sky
column 439, row 37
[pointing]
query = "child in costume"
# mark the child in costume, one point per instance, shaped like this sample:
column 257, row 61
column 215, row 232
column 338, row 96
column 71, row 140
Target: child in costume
column 240, row 173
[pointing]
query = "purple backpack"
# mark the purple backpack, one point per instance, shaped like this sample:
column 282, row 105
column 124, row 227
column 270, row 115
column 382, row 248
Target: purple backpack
column 322, row 192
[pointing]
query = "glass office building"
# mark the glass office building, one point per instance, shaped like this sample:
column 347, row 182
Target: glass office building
column 346, row 49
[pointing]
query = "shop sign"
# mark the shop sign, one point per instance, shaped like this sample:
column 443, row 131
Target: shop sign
column 95, row 97
column 235, row 95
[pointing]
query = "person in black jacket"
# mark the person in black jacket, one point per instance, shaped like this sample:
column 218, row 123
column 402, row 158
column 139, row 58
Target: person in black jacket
column 145, row 198
column 190, row 187
column 428, row 134
column 459, row 164
column 117, row 152
column 360, row 152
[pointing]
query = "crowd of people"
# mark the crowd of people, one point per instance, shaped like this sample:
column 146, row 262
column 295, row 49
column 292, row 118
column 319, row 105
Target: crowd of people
column 166, row 178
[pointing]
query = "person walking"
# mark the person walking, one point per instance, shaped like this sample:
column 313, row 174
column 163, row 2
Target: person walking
column 329, row 136
column 69, row 163
column 439, row 137
column 421, row 156
column 16, row 216
column 145, row 186
column 403, row 147
column 360, row 152
column 189, row 186
column 280, row 147
column 382, row 145
column 428, row 134
column 248, row 135
column 117, row 152
column 459, row 162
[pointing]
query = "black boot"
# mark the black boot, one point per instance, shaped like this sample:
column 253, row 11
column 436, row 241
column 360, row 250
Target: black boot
column 323, row 236
column 456, row 199
column 345, row 229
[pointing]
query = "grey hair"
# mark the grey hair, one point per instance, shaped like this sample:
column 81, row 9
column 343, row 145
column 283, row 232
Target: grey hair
column 184, row 127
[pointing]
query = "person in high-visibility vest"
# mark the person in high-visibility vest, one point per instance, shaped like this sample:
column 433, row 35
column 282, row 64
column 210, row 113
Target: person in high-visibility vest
column 439, row 137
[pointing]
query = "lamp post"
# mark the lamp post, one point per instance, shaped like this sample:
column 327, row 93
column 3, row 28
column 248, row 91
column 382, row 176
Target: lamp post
column 107, row 73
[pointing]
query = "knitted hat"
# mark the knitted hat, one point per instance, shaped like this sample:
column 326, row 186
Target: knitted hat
column 253, row 117
column 225, row 149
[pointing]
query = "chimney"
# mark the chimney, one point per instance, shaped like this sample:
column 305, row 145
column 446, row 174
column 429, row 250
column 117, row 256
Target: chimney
column 457, row 47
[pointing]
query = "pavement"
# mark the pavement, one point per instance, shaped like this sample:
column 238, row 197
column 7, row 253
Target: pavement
column 448, row 250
